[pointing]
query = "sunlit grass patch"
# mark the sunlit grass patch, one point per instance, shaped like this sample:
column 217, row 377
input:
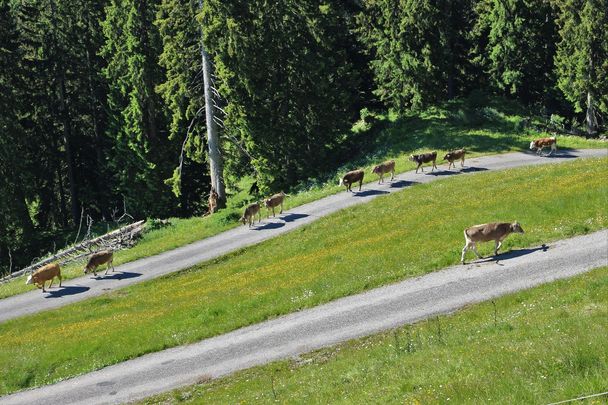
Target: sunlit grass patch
column 540, row 346
column 392, row 238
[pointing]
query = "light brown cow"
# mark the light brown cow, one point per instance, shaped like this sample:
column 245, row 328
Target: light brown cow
column 249, row 215
column 386, row 167
column 540, row 144
column 352, row 177
column 44, row 274
column 454, row 155
column 424, row 158
column 275, row 201
column 99, row 258
column 496, row 231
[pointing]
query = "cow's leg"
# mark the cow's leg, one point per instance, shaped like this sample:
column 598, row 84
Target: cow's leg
column 392, row 174
column 51, row 283
column 107, row 269
column 474, row 247
column 43, row 290
column 461, row 162
column 273, row 213
column 497, row 246
column 434, row 166
column 421, row 167
column 464, row 251
column 360, row 184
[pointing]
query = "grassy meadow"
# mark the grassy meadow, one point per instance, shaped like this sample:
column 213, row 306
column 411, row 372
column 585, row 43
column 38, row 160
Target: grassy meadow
column 394, row 237
column 546, row 345
column 484, row 127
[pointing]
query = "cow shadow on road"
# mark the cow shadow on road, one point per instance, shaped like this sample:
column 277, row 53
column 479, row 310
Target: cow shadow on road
column 64, row 291
column 123, row 275
column 293, row 217
column 442, row 173
column 403, row 184
column 368, row 193
column 269, row 225
column 472, row 169
column 512, row 254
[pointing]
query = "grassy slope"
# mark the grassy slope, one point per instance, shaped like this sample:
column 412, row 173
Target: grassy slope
column 548, row 344
column 493, row 128
column 345, row 253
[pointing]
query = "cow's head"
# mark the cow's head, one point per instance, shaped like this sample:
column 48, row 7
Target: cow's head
column 376, row 169
column 29, row 280
column 515, row 227
column 532, row 145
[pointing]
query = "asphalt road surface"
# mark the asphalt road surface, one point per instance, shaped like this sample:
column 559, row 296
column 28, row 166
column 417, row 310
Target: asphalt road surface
column 346, row 318
column 181, row 258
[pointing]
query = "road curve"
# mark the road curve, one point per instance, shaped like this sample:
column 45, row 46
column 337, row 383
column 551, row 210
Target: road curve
column 218, row 245
column 346, row 318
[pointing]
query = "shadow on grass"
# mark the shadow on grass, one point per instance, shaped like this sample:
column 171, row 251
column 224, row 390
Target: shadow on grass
column 270, row 225
column 118, row 276
column 64, row 291
column 403, row 184
column 368, row 193
column 293, row 217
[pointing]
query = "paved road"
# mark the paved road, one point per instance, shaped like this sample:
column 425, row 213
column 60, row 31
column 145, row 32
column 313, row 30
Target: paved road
column 359, row 315
column 209, row 248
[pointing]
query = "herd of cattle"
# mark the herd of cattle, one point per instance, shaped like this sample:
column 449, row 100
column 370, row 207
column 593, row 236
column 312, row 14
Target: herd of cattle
column 496, row 231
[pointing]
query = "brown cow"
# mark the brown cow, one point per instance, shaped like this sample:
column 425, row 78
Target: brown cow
column 44, row 274
column 382, row 168
column 249, row 214
column 275, row 201
column 424, row 158
column 496, row 231
column 352, row 177
column 454, row 155
column 540, row 144
column 99, row 258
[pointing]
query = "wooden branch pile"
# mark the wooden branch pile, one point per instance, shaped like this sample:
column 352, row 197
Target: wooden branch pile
column 118, row 239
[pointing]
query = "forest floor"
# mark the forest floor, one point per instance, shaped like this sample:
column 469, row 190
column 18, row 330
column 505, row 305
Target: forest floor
column 391, row 238
column 495, row 128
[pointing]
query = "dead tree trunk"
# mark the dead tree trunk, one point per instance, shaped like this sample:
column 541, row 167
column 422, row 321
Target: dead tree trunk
column 590, row 116
column 216, row 165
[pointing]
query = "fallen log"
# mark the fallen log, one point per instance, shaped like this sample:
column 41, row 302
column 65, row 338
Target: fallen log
column 115, row 240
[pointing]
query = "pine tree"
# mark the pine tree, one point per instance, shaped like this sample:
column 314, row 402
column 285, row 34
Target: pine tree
column 288, row 80
column 515, row 46
column 582, row 57
column 142, row 154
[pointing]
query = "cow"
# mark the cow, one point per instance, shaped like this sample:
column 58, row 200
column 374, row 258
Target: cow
column 382, row 168
column 540, row 144
column 454, row 155
column 275, row 201
column 44, row 274
column 496, row 231
column 99, row 258
column 424, row 158
column 213, row 197
column 352, row 177
column 249, row 215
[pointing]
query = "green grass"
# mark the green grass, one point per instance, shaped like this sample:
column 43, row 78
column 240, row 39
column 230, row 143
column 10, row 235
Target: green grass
column 548, row 344
column 484, row 126
column 391, row 238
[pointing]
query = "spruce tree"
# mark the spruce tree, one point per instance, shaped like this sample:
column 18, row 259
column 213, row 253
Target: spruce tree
column 582, row 57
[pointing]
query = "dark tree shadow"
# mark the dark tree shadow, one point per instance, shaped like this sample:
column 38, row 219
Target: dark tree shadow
column 270, row 225
column 293, row 217
column 64, row 291
column 118, row 276
column 403, row 184
column 473, row 169
column 368, row 193
column 512, row 254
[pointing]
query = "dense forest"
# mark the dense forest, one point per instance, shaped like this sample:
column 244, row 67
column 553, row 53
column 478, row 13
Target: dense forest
column 103, row 102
